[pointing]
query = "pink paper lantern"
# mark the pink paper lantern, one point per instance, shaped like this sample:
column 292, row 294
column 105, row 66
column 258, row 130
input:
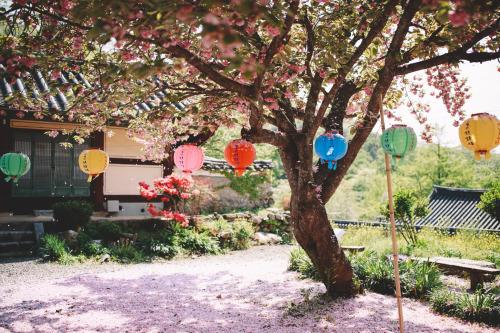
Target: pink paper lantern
column 188, row 158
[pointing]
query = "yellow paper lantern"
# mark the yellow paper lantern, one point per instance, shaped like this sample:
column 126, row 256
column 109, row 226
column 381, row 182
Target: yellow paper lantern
column 480, row 133
column 93, row 161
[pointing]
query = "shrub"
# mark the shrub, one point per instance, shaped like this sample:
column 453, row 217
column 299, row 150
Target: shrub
column 153, row 246
column 92, row 231
column 242, row 231
column 109, row 231
column 376, row 274
column 165, row 243
column 482, row 306
column 83, row 238
column 194, row 242
column 490, row 201
column 418, row 279
column 300, row 262
column 72, row 214
column 51, row 246
column 407, row 209
column 94, row 249
column 125, row 251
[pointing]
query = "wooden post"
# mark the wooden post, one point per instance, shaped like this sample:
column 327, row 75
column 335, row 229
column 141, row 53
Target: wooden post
column 393, row 226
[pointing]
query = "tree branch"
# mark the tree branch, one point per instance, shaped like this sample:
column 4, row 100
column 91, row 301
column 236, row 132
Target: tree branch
column 459, row 54
column 375, row 28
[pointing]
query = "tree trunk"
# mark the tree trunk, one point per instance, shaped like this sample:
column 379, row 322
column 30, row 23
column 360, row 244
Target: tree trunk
column 314, row 234
column 310, row 223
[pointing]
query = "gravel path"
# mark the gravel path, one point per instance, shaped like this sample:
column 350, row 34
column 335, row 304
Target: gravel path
column 244, row 291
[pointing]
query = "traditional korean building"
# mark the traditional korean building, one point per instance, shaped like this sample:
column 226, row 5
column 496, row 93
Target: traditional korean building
column 55, row 174
column 456, row 208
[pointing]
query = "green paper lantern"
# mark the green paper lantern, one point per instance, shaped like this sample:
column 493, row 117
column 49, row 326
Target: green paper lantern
column 398, row 140
column 14, row 165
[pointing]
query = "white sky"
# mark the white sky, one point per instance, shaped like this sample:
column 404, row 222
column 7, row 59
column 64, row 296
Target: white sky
column 484, row 83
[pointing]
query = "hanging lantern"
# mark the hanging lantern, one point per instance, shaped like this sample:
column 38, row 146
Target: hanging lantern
column 331, row 147
column 93, row 161
column 14, row 165
column 480, row 133
column 398, row 140
column 240, row 154
column 188, row 158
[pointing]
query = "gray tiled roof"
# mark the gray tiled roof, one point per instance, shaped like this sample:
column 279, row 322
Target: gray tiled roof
column 456, row 208
column 211, row 163
column 35, row 84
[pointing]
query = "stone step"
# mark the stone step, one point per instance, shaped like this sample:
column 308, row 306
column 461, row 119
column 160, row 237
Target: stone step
column 15, row 254
column 23, row 246
column 16, row 236
column 16, row 226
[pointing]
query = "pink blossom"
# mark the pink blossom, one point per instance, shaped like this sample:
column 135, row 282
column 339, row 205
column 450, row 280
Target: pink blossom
column 273, row 31
column 53, row 134
column 458, row 17
column 196, row 192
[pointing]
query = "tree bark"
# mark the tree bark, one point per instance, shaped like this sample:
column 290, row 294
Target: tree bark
column 313, row 232
column 310, row 223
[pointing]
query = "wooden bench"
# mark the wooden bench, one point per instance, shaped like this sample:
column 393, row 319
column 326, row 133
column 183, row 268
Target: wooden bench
column 353, row 249
column 476, row 272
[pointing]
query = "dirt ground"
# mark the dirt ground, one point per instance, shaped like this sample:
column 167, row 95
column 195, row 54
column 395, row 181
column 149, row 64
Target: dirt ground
column 243, row 291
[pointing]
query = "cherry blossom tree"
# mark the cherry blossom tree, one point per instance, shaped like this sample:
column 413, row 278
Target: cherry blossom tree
column 282, row 71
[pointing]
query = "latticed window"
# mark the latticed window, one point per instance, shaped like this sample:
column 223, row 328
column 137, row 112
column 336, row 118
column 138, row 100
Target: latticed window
column 54, row 169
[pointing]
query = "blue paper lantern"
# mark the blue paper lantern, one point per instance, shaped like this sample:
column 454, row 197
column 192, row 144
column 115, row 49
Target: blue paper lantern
column 331, row 147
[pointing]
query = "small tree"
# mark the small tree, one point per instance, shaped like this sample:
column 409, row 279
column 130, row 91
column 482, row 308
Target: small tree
column 490, row 201
column 173, row 190
column 407, row 209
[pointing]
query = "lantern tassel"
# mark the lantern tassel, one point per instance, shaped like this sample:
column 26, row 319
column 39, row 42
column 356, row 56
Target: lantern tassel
column 330, row 165
column 487, row 156
column 335, row 165
column 8, row 178
column 477, row 156
column 89, row 179
column 239, row 172
column 15, row 179
column 402, row 160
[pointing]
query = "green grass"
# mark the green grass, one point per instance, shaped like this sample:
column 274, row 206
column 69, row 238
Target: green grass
column 465, row 244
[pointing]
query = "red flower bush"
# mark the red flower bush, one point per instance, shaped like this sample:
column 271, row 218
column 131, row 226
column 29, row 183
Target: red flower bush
column 173, row 189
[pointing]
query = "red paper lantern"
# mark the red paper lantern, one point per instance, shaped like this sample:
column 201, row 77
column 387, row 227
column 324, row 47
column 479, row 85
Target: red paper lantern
column 189, row 158
column 240, row 154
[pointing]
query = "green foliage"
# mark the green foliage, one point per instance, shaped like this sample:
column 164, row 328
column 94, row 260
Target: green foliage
column 72, row 214
column 153, row 246
column 200, row 243
column 376, row 274
column 94, row 249
column 83, row 238
column 247, row 183
column 92, row 231
column 417, row 279
column 482, row 306
column 490, row 201
column 165, row 243
column 431, row 243
column 53, row 247
column 109, row 231
column 125, row 250
column 242, row 231
column 407, row 209
column 300, row 262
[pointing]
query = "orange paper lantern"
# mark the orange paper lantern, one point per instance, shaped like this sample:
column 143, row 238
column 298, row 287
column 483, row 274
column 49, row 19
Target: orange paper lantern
column 240, row 154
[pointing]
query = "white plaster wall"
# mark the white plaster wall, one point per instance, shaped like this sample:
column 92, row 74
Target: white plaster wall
column 123, row 179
